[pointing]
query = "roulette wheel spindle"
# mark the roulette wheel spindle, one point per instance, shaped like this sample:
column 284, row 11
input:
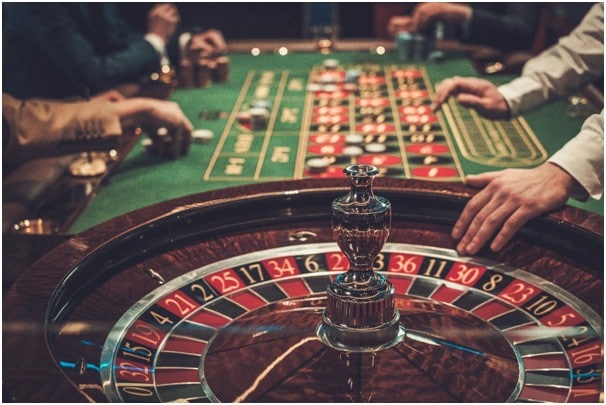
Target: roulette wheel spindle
column 360, row 314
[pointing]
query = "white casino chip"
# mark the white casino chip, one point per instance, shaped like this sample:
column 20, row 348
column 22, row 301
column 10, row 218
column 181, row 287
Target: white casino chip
column 354, row 139
column 375, row 148
column 353, row 151
column 317, row 164
column 202, row 135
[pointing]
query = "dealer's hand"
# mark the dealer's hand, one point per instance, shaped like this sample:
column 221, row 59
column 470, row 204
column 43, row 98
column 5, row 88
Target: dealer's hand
column 508, row 200
column 471, row 92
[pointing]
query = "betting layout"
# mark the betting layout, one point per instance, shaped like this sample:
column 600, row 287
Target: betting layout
column 377, row 115
column 306, row 124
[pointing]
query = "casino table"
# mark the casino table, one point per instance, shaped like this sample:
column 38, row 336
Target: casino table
column 204, row 278
column 237, row 156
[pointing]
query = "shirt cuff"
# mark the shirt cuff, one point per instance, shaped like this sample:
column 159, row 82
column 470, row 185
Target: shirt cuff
column 158, row 44
column 183, row 44
column 522, row 94
column 583, row 158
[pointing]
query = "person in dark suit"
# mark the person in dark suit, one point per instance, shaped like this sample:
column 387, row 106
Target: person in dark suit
column 505, row 26
column 58, row 50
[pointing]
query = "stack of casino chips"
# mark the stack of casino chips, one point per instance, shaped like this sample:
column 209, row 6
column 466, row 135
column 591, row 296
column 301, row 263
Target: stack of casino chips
column 203, row 71
column 167, row 144
column 259, row 114
column 412, row 47
column 419, row 47
column 256, row 117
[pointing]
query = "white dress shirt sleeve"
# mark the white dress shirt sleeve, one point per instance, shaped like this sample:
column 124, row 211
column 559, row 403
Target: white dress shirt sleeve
column 574, row 61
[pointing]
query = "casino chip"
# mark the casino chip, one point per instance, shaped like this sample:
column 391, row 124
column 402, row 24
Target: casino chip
column 331, row 63
column 260, row 104
column 243, row 117
column 202, row 135
column 354, row 139
column 326, row 79
column 258, row 118
column 352, row 75
column 162, row 132
column 352, row 151
column 375, row 148
column 330, row 88
column 314, row 87
column 221, row 72
column 87, row 167
column 317, row 165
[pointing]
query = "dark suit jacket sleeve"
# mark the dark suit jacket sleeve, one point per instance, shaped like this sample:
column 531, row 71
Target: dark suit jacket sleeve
column 506, row 26
column 98, row 61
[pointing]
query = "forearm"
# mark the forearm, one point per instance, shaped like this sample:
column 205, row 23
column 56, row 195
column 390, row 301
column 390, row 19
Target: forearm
column 576, row 60
column 47, row 121
column 133, row 107
column 44, row 126
column 583, row 158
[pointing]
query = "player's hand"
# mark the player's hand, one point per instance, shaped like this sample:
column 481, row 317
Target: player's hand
column 163, row 20
column 168, row 114
column 151, row 114
column 508, row 200
column 472, row 92
column 168, row 143
column 399, row 23
column 425, row 14
column 206, row 44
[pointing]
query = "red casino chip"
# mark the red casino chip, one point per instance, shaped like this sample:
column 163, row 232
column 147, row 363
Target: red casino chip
column 433, row 172
column 380, row 160
column 427, row 149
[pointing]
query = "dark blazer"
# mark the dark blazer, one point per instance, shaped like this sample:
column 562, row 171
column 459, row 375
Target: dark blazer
column 505, row 26
column 58, row 50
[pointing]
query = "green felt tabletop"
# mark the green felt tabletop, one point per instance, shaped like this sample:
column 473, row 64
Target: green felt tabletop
column 142, row 180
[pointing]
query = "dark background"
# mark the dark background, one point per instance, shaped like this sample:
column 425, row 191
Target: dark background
column 264, row 20
column 291, row 20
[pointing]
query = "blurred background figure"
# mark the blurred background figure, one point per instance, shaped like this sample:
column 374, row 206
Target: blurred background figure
column 42, row 139
column 35, row 128
column 505, row 26
column 57, row 50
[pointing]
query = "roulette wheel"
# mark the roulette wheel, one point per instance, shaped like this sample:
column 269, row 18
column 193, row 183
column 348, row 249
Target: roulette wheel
column 242, row 295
